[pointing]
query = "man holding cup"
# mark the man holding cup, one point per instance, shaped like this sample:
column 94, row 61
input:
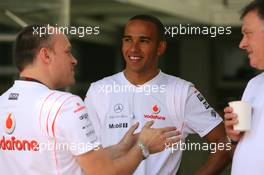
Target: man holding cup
column 248, row 144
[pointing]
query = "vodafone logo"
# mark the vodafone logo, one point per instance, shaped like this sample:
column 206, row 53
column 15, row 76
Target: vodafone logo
column 155, row 109
column 9, row 124
column 12, row 144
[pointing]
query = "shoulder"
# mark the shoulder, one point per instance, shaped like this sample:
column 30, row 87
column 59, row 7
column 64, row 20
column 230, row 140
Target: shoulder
column 61, row 99
column 253, row 86
column 257, row 80
column 174, row 80
column 255, row 83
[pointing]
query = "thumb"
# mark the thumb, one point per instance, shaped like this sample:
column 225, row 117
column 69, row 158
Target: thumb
column 149, row 124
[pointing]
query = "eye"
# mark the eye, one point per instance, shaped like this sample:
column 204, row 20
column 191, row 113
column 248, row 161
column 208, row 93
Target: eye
column 127, row 39
column 247, row 33
column 144, row 40
column 68, row 52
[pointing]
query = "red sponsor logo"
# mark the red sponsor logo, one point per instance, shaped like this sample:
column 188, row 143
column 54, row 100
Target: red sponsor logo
column 79, row 108
column 13, row 144
column 155, row 117
column 155, row 109
column 9, row 124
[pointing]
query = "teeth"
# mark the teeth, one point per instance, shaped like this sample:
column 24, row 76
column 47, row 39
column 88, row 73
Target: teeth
column 134, row 58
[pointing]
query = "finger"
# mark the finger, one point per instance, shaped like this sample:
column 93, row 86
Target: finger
column 173, row 140
column 231, row 123
column 233, row 132
column 133, row 128
column 149, row 124
column 230, row 116
column 168, row 129
column 228, row 109
column 172, row 134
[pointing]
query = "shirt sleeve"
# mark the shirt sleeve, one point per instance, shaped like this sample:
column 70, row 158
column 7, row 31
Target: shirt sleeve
column 200, row 117
column 75, row 127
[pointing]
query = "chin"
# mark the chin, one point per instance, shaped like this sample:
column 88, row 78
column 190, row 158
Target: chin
column 256, row 66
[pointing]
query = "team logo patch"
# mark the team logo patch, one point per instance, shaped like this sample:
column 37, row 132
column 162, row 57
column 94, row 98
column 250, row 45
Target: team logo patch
column 13, row 96
column 9, row 124
column 84, row 116
column 118, row 125
column 155, row 109
column 201, row 99
column 118, row 108
column 213, row 113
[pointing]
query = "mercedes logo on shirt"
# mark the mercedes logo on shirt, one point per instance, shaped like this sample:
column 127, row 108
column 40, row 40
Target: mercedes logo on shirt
column 118, row 108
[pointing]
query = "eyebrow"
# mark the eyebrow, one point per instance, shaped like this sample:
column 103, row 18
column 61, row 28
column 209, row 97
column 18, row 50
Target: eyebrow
column 145, row 37
column 126, row 36
column 141, row 37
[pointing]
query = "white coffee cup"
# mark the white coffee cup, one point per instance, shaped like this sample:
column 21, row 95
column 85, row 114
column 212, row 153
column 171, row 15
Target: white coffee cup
column 243, row 111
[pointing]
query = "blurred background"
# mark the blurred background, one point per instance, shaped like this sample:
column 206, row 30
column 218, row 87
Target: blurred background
column 217, row 67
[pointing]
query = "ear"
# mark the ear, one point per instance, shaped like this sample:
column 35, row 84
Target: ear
column 45, row 55
column 162, row 47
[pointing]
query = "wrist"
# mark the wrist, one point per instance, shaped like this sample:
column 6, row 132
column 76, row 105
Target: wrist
column 144, row 149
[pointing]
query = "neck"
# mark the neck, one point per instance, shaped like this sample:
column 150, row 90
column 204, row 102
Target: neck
column 139, row 78
column 36, row 77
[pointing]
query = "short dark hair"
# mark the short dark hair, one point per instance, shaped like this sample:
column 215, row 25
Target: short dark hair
column 257, row 5
column 27, row 44
column 158, row 24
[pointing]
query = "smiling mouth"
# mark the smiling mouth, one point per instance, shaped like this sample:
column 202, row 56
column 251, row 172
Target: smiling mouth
column 134, row 58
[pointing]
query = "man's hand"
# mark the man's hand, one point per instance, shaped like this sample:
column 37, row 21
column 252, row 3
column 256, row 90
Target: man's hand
column 230, row 121
column 157, row 138
column 129, row 139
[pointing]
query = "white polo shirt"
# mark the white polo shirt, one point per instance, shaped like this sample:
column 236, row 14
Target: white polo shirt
column 42, row 130
column 249, row 154
column 114, row 104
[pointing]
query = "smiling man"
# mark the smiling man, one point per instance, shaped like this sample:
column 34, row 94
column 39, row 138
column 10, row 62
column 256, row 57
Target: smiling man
column 170, row 102
column 46, row 131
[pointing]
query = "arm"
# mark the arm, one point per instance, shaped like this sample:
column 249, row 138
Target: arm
column 217, row 161
column 97, row 162
column 200, row 117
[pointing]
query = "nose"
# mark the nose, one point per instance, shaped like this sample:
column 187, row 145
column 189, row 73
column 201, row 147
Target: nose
column 243, row 43
column 74, row 61
column 134, row 46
